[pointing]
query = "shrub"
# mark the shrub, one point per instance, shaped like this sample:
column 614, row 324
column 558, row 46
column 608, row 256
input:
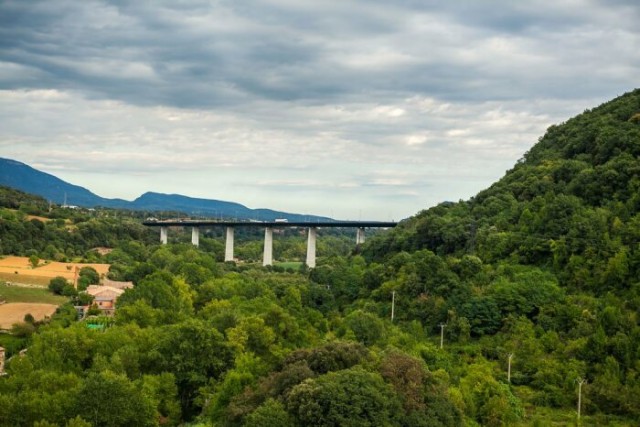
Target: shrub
column 57, row 284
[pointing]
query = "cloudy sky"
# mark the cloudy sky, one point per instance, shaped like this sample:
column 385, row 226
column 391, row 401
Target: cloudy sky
column 355, row 109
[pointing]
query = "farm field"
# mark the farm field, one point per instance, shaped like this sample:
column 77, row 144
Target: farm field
column 30, row 217
column 17, row 269
column 14, row 312
column 22, row 300
column 29, row 294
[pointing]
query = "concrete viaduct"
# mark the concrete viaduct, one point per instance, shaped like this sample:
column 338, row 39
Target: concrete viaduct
column 267, row 258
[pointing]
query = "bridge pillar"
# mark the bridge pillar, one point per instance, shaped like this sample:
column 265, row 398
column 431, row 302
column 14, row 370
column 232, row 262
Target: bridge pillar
column 228, row 249
column 164, row 235
column 311, row 247
column 267, row 257
column 360, row 236
column 195, row 236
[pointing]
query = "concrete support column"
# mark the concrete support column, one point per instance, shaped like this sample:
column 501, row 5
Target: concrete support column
column 311, row 247
column 164, row 235
column 2, row 356
column 360, row 236
column 228, row 248
column 195, row 236
column 267, row 257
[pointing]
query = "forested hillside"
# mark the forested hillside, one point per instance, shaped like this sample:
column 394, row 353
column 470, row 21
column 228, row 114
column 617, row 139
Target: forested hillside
column 570, row 205
column 29, row 225
column 553, row 244
column 502, row 306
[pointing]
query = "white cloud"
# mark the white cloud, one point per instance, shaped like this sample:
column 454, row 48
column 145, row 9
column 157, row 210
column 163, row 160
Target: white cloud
column 327, row 107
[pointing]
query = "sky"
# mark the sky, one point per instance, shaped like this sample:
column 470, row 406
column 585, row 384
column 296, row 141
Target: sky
column 353, row 109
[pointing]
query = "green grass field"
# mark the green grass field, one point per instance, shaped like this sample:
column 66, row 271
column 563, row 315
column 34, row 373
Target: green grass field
column 289, row 264
column 33, row 295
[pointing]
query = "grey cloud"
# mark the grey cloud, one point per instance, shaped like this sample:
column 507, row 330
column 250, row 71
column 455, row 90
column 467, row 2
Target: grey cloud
column 317, row 94
column 214, row 55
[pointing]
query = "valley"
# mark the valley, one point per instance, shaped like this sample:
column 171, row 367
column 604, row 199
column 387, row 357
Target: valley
column 518, row 307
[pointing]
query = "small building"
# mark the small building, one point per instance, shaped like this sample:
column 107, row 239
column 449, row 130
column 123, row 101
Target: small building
column 105, row 297
column 116, row 284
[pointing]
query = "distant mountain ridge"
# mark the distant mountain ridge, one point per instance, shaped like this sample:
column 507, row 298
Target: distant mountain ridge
column 23, row 177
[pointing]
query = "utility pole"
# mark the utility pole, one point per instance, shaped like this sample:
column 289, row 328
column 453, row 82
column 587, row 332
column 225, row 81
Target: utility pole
column 442, row 325
column 509, row 369
column 393, row 304
column 580, row 381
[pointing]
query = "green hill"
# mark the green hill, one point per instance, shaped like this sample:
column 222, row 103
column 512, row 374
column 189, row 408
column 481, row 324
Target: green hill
column 571, row 203
column 22, row 177
column 544, row 264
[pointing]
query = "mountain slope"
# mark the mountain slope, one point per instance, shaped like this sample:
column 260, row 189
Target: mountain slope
column 212, row 208
column 25, row 178
column 571, row 204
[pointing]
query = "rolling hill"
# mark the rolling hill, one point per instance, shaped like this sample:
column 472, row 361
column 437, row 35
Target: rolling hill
column 571, row 204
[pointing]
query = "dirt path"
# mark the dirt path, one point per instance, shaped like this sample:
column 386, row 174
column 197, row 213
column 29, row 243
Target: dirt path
column 23, row 285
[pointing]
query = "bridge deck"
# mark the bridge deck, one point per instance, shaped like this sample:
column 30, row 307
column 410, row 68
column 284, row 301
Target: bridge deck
column 209, row 223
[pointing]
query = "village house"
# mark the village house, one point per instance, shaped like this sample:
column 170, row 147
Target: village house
column 105, row 296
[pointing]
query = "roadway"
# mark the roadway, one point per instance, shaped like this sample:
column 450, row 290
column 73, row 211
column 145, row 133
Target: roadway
column 270, row 224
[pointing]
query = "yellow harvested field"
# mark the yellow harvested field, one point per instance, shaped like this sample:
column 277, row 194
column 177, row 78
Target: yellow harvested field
column 21, row 271
column 39, row 218
column 14, row 312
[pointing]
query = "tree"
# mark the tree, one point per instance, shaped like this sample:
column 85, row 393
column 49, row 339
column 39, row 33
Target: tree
column 333, row 356
column 111, row 400
column 352, row 397
column 195, row 353
column 34, row 261
column 424, row 395
column 93, row 310
column 67, row 349
column 30, row 395
column 163, row 392
column 367, row 327
column 140, row 313
column 252, row 335
column 77, row 422
column 87, row 276
column 271, row 413
column 491, row 403
column 69, row 291
column 83, row 299
column 483, row 314
column 23, row 329
column 163, row 291
column 57, row 284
